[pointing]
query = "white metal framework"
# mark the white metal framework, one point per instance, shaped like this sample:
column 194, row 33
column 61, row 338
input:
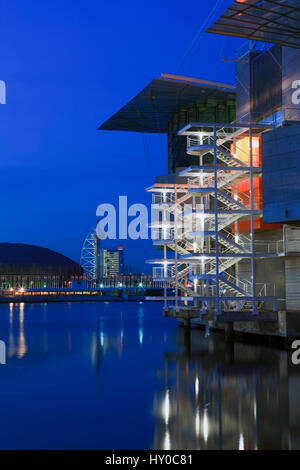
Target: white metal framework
column 89, row 259
column 198, row 225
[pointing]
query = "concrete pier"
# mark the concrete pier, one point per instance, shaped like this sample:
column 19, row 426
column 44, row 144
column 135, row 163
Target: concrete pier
column 274, row 326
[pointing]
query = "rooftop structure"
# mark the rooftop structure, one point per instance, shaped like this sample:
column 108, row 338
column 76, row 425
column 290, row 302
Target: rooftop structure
column 169, row 103
column 152, row 109
column 272, row 21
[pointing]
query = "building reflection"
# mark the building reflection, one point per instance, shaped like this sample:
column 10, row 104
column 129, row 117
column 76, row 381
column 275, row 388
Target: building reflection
column 44, row 336
column 36, row 337
column 220, row 396
column 103, row 340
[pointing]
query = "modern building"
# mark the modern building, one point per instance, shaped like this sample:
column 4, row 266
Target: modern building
column 112, row 261
column 268, row 92
column 228, row 212
column 28, row 266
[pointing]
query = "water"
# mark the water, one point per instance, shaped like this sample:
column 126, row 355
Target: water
column 119, row 376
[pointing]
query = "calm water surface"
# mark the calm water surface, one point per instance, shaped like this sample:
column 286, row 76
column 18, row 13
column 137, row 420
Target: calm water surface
column 119, row 376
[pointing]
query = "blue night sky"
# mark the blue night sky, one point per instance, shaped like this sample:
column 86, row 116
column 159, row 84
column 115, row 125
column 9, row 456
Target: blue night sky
column 69, row 65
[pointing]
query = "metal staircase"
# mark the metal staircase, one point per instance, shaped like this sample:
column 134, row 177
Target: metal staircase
column 204, row 258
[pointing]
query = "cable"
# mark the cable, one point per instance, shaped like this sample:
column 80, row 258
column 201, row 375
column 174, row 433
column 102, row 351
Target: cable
column 200, row 30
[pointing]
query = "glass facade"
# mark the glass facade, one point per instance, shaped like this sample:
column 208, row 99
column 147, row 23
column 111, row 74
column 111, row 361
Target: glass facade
column 213, row 110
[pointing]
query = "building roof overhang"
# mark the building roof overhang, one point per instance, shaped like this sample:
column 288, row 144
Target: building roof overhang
column 272, row 21
column 152, row 109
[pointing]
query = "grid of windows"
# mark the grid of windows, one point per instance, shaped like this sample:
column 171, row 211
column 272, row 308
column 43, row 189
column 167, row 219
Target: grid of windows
column 113, row 262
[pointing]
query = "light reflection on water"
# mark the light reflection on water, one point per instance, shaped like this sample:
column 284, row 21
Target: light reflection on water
column 227, row 396
column 16, row 346
column 119, row 376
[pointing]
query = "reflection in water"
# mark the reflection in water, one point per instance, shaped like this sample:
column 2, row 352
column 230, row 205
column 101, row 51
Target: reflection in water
column 102, row 342
column 166, row 407
column 101, row 339
column 141, row 331
column 196, row 387
column 96, row 350
column 11, row 313
column 167, row 442
column 241, row 443
column 22, row 348
column 11, row 339
column 208, row 394
column 220, row 396
column 122, row 332
column 166, row 416
column 16, row 347
column 205, row 426
column 101, row 334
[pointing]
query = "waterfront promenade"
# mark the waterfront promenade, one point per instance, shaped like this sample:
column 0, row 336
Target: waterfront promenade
column 75, row 295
